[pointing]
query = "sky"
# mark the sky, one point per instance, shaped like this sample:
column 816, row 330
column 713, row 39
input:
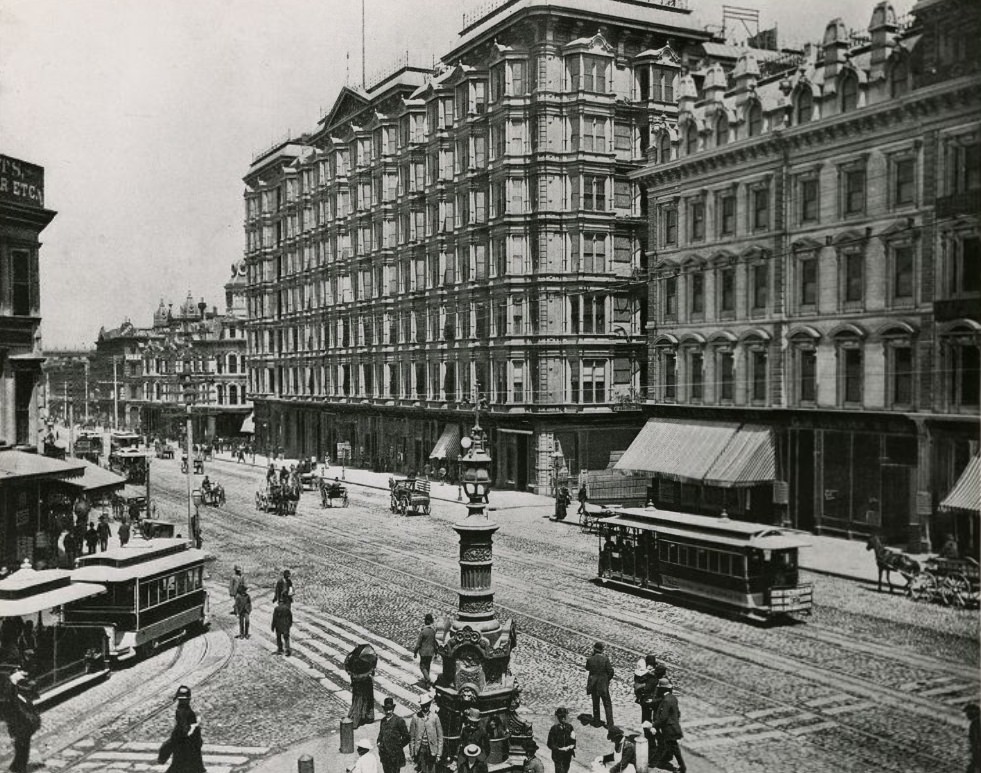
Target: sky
column 146, row 114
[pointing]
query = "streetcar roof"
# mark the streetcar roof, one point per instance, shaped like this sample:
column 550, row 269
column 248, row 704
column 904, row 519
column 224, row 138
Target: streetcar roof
column 720, row 530
column 139, row 558
column 27, row 591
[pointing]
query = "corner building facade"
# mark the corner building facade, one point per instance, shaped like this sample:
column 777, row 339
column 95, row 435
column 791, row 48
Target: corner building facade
column 816, row 269
column 466, row 233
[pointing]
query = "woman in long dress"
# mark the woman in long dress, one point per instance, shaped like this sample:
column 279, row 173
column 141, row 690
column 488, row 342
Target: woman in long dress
column 360, row 666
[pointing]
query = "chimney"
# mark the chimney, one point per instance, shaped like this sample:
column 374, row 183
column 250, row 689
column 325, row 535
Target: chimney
column 835, row 45
column 202, row 307
column 882, row 30
column 745, row 74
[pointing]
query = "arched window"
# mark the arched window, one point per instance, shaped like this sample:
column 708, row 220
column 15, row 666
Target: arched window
column 664, row 148
column 232, row 395
column 232, row 363
column 754, row 120
column 805, row 106
column 721, row 130
column 899, row 78
column 849, row 92
column 691, row 138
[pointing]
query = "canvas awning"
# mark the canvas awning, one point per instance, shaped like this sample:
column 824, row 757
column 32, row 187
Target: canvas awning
column 723, row 454
column 678, row 449
column 19, row 466
column 248, row 425
column 448, row 445
column 966, row 494
column 747, row 459
column 96, row 478
column 30, row 605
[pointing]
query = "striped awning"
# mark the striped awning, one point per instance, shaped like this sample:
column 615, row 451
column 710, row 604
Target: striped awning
column 747, row 459
column 677, row 448
column 723, row 454
column 248, row 425
column 448, row 445
column 966, row 494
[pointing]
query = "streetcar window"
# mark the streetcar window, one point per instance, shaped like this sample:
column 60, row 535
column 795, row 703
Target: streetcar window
column 739, row 566
column 170, row 586
column 682, row 555
column 144, row 596
column 182, row 583
column 713, row 563
column 702, row 558
column 725, row 563
column 755, row 560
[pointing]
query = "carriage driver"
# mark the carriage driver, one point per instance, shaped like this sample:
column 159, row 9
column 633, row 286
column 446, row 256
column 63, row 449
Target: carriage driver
column 206, row 485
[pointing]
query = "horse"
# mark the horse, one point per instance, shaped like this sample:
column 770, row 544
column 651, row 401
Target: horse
column 888, row 561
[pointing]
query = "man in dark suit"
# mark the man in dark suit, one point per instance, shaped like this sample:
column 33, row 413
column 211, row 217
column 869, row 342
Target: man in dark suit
column 667, row 721
column 393, row 736
column 598, row 684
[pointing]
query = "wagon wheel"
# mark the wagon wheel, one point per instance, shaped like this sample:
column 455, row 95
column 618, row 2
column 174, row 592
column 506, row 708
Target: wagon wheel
column 922, row 587
column 393, row 504
column 584, row 521
column 426, row 508
column 345, row 499
column 258, row 501
column 955, row 590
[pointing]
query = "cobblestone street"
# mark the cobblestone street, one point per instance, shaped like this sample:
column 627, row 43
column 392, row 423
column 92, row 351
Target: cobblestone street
column 869, row 682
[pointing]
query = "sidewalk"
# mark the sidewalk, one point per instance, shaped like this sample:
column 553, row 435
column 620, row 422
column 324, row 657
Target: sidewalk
column 832, row 556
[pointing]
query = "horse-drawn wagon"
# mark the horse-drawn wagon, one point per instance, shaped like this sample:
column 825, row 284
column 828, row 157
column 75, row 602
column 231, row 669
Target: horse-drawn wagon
column 953, row 582
column 409, row 496
column 277, row 498
column 331, row 490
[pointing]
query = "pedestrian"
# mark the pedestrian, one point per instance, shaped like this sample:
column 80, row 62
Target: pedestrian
column 123, row 532
column 103, row 531
column 183, row 748
column 532, row 764
column 472, row 734
column 91, row 538
column 562, row 501
column 426, row 649
column 583, row 498
column 240, row 456
column 366, row 762
column 949, row 548
column 471, row 759
column 973, row 713
column 284, row 588
column 360, row 666
column 442, row 473
column 425, row 736
column 71, row 548
column 243, row 608
column 668, row 724
column 427, row 471
column 237, row 579
column 271, row 473
column 598, row 684
column 644, row 686
column 23, row 719
column 561, row 741
column 282, row 621
column 393, row 736
column 624, row 756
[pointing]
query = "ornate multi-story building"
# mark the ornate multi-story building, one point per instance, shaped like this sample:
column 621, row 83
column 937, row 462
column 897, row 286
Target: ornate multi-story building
column 194, row 355
column 815, row 302
column 468, row 234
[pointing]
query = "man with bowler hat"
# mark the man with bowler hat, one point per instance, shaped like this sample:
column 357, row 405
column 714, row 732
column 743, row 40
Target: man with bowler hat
column 426, row 649
column 624, row 752
column 282, row 621
column 667, row 720
column 600, row 671
column 473, row 734
column 532, row 763
column 562, row 741
column 393, row 736
column 23, row 719
column 425, row 736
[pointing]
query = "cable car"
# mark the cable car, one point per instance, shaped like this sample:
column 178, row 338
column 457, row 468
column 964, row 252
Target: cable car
column 60, row 658
column 123, row 440
column 749, row 568
column 154, row 595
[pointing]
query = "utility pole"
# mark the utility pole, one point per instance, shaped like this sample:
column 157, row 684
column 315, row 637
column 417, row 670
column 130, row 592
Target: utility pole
column 86, row 396
column 190, row 473
column 115, row 396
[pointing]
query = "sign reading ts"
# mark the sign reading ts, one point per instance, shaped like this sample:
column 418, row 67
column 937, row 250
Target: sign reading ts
column 21, row 182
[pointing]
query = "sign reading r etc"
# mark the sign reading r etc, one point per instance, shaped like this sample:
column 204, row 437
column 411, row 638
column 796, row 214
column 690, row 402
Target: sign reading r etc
column 21, row 182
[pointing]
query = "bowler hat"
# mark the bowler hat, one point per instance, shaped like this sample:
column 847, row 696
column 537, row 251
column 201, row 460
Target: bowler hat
column 183, row 693
column 531, row 747
column 614, row 732
column 388, row 704
column 562, row 712
column 598, row 646
column 471, row 750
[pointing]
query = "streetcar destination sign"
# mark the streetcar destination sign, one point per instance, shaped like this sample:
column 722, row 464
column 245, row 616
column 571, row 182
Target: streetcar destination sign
column 21, row 182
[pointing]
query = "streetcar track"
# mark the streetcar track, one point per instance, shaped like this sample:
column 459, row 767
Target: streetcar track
column 823, row 678
column 162, row 681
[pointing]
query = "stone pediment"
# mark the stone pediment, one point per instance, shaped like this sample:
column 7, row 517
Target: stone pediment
column 348, row 103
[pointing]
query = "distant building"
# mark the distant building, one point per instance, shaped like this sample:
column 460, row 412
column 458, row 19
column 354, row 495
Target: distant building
column 816, row 281
column 469, row 232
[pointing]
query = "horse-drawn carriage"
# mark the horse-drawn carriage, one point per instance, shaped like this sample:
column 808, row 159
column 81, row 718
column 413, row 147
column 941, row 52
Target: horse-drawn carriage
column 212, row 494
column 198, row 464
column 331, row 490
column 409, row 496
column 953, row 582
column 163, row 450
column 278, row 498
